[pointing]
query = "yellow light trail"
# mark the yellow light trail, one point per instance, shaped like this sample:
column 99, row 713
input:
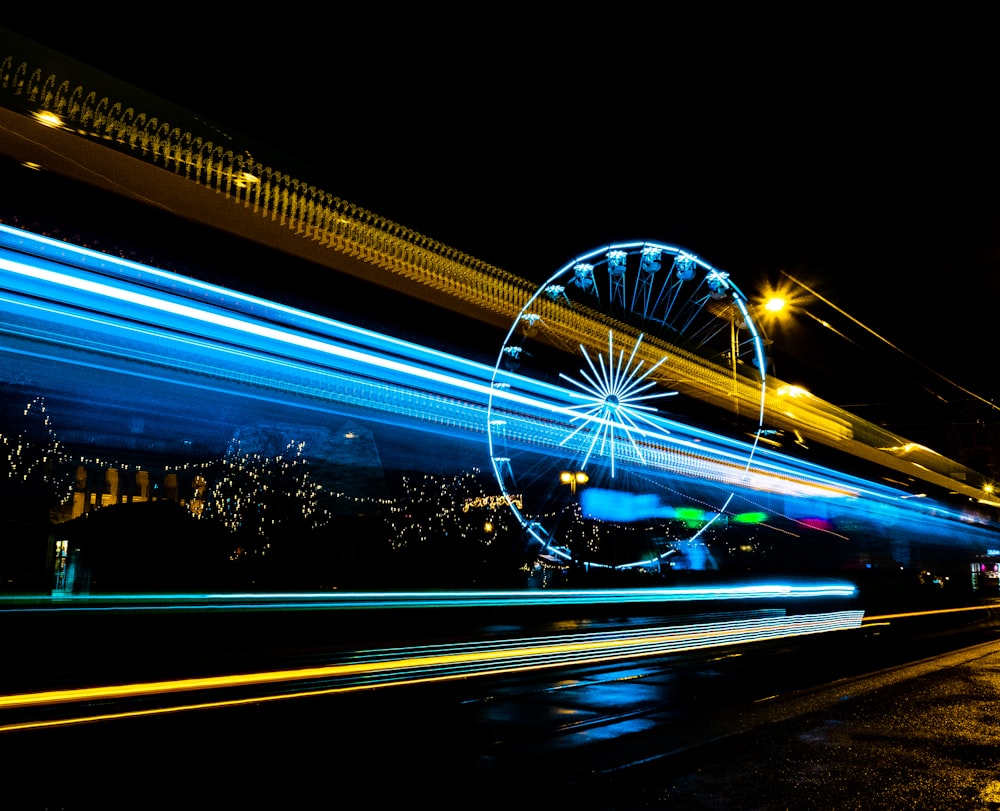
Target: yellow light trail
column 887, row 617
column 510, row 657
column 497, row 661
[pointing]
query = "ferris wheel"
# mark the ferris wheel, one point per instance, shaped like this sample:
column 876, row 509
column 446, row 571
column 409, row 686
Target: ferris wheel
column 588, row 387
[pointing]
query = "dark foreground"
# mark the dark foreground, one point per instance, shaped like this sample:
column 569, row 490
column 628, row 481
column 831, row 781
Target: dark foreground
column 924, row 736
column 780, row 726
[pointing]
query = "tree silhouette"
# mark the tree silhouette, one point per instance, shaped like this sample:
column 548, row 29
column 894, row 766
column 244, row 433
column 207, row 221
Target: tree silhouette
column 39, row 477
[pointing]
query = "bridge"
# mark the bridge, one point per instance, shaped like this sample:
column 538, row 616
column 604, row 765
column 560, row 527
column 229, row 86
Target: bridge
column 76, row 320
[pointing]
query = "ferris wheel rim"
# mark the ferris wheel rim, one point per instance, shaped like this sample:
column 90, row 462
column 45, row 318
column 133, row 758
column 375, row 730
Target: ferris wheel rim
column 499, row 461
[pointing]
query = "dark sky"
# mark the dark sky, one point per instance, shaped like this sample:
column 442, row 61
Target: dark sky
column 860, row 160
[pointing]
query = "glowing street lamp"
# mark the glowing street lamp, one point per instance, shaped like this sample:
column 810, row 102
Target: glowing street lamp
column 775, row 305
column 780, row 303
column 573, row 478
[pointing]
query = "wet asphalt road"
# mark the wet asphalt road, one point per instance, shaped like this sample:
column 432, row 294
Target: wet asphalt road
column 901, row 715
column 758, row 729
column 920, row 736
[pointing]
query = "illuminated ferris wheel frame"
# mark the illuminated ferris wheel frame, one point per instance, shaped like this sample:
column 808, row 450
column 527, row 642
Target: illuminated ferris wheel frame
column 622, row 312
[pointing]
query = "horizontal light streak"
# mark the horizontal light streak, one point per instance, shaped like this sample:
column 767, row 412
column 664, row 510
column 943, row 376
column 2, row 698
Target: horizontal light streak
column 240, row 366
column 240, row 326
column 775, row 590
column 94, row 262
column 730, row 465
column 393, row 667
column 673, row 450
column 156, row 306
column 884, row 618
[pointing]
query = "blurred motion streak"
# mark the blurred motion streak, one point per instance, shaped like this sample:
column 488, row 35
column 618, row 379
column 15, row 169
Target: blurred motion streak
column 397, row 666
column 97, row 312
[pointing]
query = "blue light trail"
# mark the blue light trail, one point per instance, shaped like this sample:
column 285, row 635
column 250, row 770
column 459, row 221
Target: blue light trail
column 769, row 590
column 70, row 305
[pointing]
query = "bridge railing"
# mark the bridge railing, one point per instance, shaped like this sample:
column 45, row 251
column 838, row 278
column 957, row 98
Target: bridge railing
column 98, row 107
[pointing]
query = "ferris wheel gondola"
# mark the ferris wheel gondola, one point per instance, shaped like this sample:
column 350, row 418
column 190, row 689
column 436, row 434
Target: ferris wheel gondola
column 580, row 411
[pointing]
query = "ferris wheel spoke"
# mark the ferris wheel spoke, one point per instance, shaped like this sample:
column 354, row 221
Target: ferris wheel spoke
column 597, row 435
column 650, row 314
column 687, row 327
column 590, row 363
column 592, row 388
column 630, row 392
column 605, row 382
column 635, row 349
column 588, row 420
column 635, row 445
column 673, row 295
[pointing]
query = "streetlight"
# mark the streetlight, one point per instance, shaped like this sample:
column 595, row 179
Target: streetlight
column 791, row 283
column 573, row 478
column 779, row 305
column 775, row 304
column 779, row 302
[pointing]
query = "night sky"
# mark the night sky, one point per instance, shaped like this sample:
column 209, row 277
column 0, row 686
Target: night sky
column 859, row 161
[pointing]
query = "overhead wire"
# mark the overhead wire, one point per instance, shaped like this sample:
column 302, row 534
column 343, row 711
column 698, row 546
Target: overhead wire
column 888, row 343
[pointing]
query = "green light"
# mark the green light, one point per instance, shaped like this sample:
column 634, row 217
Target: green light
column 690, row 514
column 750, row 518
